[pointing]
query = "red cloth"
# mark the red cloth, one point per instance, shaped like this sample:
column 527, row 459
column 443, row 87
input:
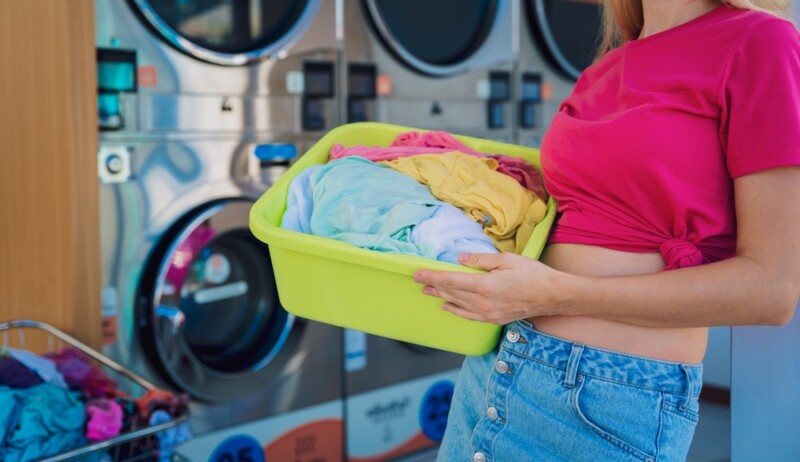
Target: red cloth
column 79, row 372
column 642, row 155
column 153, row 400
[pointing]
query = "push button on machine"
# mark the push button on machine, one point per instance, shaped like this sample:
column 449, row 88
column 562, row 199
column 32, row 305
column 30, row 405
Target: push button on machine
column 491, row 413
column 478, row 457
column 501, row 367
column 512, row 336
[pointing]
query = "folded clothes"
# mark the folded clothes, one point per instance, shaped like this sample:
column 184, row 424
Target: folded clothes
column 415, row 143
column 374, row 207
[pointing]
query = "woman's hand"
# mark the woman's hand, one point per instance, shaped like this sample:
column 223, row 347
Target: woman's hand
column 515, row 288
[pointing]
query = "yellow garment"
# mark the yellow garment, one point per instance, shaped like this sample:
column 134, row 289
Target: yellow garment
column 507, row 211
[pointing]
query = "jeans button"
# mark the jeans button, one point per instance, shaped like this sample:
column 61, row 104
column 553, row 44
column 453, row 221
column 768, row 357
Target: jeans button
column 478, row 457
column 491, row 413
column 501, row 367
column 512, row 335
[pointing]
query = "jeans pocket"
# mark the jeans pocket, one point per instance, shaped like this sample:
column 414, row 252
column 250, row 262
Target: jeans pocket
column 677, row 431
column 626, row 417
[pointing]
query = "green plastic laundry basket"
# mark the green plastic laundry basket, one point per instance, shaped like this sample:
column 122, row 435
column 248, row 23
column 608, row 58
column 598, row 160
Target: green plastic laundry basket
column 343, row 285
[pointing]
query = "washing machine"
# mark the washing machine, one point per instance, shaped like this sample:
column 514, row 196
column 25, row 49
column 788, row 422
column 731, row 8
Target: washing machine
column 558, row 40
column 202, row 105
column 443, row 65
column 397, row 398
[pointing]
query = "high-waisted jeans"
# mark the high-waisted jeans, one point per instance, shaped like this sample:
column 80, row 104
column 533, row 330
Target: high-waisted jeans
column 542, row 398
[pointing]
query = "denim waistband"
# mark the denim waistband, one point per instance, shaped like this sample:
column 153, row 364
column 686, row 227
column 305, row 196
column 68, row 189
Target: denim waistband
column 523, row 339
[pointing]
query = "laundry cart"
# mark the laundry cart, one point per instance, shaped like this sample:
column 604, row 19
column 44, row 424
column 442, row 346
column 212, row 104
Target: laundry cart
column 149, row 441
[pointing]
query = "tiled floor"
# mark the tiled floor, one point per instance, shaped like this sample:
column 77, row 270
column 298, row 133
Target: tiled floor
column 712, row 439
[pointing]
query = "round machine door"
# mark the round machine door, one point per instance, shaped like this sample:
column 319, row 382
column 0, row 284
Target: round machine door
column 567, row 31
column 228, row 32
column 210, row 308
column 434, row 38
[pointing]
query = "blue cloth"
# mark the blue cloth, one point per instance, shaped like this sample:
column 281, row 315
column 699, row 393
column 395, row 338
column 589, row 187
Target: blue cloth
column 39, row 421
column 170, row 438
column 374, row 207
column 539, row 397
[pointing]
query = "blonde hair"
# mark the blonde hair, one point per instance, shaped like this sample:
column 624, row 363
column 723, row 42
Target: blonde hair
column 624, row 19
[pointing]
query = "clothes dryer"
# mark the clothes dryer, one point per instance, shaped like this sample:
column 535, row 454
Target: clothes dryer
column 197, row 119
column 558, row 39
column 443, row 65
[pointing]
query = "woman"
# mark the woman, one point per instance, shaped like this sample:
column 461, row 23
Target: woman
column 675, row 166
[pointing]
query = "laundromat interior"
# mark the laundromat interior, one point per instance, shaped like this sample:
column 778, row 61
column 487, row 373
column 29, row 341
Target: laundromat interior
column 139, row 136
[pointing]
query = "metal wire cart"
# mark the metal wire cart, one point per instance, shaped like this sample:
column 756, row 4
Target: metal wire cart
column 139, row 442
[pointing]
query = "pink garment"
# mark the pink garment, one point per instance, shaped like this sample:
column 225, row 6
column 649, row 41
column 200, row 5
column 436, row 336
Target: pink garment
column 104, row 419
column 642, row 156
column 414, row 143
column 185, row 254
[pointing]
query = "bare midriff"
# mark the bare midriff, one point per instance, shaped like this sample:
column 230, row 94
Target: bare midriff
column 685, row 345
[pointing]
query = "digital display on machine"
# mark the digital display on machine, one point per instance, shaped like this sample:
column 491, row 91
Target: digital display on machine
column 318, row 79
column 361, row 80
column 116, row 70
column 532, row 87
column 499, row 86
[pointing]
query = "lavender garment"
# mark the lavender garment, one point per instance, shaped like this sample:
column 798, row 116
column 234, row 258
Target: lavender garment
column 450, row 232
column 14, row 374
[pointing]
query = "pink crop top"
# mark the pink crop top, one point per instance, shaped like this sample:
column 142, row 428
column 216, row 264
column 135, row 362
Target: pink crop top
column 642, row 156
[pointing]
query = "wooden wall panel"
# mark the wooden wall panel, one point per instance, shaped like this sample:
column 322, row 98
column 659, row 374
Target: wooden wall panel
column 49, row 228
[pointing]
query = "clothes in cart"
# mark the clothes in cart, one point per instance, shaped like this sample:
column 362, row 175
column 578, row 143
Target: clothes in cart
column 61, row 401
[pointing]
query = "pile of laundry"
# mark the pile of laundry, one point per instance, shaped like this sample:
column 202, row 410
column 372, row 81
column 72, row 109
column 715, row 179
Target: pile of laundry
column 427, row 194
column 61, row 401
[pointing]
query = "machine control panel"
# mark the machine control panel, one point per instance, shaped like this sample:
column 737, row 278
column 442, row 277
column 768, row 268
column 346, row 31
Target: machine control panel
column 531, row 96
column 499, row 95
column 318, row 86
column 114, row 164
column 116, row 74
column 361, row 91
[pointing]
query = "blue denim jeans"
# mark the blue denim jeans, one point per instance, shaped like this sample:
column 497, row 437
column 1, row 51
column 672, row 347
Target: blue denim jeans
column 541, row 398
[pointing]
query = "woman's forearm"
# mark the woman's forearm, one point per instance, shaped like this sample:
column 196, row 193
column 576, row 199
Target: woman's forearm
column 738, row 291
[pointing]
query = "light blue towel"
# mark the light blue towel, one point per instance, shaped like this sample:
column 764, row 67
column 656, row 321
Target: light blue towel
column 374, row 207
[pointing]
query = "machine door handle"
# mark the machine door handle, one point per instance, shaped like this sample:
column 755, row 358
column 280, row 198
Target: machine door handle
column 170, row 329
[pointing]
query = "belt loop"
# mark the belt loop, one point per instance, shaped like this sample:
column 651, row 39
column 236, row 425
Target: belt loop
column 572, row 365
column 693, row 386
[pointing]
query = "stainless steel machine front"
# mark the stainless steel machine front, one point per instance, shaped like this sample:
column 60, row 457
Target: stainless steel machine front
column 202, row 105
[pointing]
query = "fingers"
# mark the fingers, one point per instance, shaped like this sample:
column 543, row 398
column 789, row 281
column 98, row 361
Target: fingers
column 484, row 261
column 446, row 279
column 458, row 311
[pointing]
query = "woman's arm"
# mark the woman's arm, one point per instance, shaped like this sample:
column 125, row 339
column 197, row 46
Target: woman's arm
column 759, row 286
